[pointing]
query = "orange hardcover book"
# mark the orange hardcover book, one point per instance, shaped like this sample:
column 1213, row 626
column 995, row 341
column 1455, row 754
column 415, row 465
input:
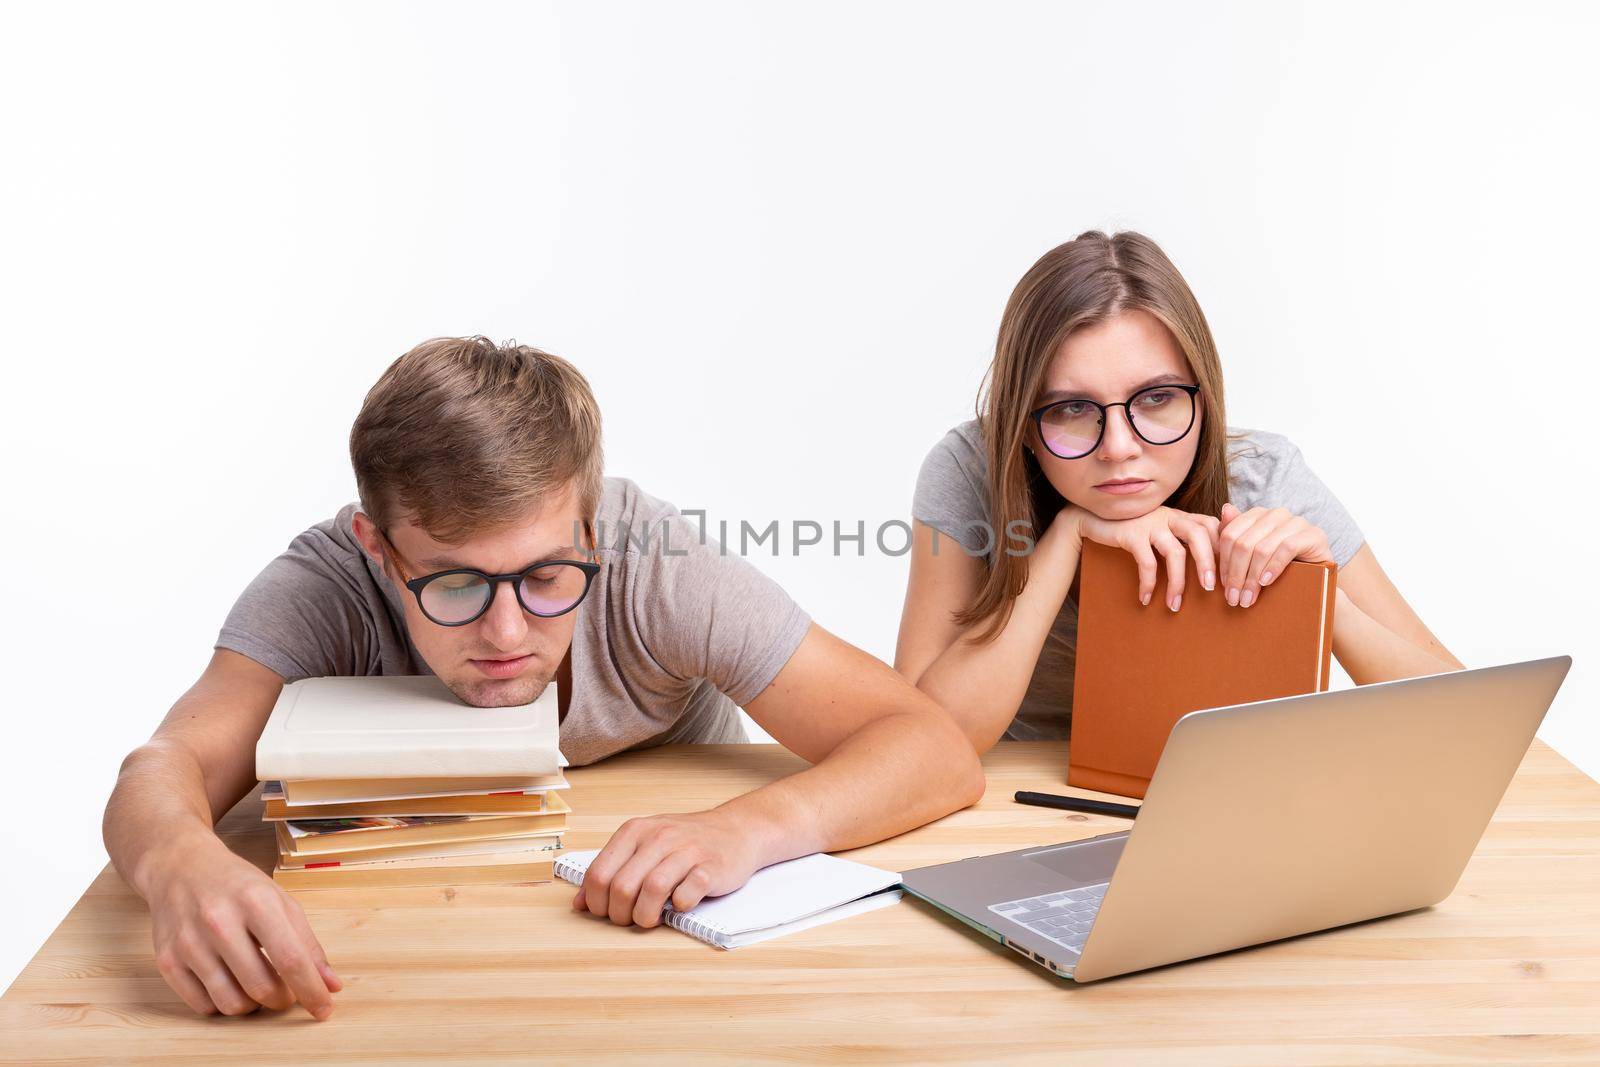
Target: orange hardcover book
column 276, row 810
column 1141, row 667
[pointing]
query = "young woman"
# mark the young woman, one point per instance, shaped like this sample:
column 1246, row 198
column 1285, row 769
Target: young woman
column 1102, row 419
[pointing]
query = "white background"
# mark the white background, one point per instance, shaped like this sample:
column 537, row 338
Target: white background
column 777, row 239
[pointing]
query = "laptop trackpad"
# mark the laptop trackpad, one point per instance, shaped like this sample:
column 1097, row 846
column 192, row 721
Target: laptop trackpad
column 1090, row 862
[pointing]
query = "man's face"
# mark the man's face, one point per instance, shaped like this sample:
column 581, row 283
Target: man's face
column 505, row 656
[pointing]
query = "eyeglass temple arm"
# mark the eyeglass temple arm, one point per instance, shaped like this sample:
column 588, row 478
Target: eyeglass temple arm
column 395, row 555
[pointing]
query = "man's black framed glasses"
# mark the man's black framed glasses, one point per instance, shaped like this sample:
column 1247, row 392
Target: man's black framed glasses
column 1159, row 414
column 455, row 597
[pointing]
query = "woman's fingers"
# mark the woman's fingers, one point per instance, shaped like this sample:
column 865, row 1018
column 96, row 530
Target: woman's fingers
column 1201, row 541
column 1273, row 552
column 1229, row 513
column 1171, row 550
column 1252, row 549
column 1147, row 568
column 1237, row 540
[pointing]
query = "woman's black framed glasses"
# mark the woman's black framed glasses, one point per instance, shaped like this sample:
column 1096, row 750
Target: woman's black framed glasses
column 461, row 595
column 1159, row 414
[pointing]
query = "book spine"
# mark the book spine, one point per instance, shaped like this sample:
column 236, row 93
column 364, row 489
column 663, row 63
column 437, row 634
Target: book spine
column 1331, row 573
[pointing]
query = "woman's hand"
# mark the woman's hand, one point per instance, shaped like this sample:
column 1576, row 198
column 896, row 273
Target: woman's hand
column 1165, row 531
column 1256, row 545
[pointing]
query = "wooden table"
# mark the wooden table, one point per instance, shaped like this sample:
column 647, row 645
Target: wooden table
column 1506, row 970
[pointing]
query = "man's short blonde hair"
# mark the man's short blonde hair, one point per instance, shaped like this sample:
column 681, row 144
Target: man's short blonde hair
column 465, row 436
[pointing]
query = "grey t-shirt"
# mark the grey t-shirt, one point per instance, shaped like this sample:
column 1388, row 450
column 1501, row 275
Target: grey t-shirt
column 672, row 636
column 1264, row 470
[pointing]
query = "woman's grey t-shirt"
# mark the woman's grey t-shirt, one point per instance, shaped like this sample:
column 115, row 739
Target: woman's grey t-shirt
column 1264, row 470
column 673, row 634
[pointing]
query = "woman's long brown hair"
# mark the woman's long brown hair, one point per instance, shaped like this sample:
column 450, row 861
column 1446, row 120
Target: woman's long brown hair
column 1081, row 283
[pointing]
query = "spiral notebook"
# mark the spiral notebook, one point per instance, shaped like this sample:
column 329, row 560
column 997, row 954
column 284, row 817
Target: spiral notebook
column 781, row 899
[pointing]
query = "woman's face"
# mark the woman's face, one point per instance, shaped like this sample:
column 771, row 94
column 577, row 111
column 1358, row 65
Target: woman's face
column 1108, row 363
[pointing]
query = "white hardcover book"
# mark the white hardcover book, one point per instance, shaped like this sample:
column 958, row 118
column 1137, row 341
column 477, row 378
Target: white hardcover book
column 781, row 899
column 403, row 727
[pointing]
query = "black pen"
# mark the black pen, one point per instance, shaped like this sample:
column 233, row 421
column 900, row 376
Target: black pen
column 1094, row 807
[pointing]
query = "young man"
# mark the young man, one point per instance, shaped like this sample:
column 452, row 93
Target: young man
column 473, row 457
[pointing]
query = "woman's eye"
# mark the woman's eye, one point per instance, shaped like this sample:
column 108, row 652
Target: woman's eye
column 1156, row 399
column 1076, row 409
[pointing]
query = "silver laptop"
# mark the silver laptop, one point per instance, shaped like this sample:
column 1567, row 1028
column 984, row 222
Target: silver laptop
column 1268, row 820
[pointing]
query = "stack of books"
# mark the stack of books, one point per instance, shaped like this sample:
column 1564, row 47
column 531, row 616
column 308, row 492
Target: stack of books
column 392, row 781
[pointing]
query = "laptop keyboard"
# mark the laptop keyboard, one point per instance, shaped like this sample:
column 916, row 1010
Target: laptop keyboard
column 1064, row 917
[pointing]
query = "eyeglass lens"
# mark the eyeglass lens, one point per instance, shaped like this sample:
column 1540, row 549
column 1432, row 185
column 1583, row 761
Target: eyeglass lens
column 1071, row 429
column 547, row 590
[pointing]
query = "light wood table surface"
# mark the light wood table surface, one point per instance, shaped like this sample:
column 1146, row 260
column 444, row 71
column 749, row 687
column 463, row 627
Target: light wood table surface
column 1506, row 970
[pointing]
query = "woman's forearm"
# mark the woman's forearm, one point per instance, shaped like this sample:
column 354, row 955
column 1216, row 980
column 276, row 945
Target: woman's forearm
column 1371, row 652
column 982, row 685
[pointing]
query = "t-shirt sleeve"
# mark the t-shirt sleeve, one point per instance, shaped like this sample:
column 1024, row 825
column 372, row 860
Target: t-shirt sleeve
column 1292, row 484
column 950, row 494
column 298, row 618
column 703, row 612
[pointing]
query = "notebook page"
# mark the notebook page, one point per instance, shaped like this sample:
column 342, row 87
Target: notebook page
column 783, row 893
column 844, row 911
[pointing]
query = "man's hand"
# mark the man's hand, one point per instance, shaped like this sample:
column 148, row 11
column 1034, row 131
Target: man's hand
column 884, row 758
column 684, row 858
column 212, row 913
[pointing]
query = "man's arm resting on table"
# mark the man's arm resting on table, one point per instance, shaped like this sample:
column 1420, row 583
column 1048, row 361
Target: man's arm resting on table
column 887, row 759
column 211, row 911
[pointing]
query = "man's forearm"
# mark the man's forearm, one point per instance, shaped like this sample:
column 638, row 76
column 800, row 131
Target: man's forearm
column 1371, row 652
column 158, row 807
column 894, row 774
